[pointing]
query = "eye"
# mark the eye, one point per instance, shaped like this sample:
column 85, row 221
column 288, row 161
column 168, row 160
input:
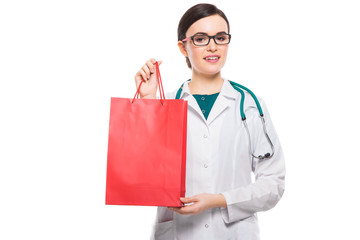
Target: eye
column 222, row 38
column 200, row 39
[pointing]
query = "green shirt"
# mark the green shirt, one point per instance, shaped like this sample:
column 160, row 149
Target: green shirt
column 206, row 102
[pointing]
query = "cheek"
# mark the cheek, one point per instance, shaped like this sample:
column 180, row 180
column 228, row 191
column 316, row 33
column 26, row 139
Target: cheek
column 224, row 50
column 194, row 53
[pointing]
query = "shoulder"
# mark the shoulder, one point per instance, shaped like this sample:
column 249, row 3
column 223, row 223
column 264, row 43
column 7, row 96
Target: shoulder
column 251, row 102
column 249, row 95
column 172, row 95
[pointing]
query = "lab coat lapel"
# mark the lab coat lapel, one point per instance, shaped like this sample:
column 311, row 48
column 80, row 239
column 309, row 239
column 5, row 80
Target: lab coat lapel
column 192, row 103
column 227, row 95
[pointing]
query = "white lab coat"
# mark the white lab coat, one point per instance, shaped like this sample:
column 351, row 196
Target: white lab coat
column 218, row 161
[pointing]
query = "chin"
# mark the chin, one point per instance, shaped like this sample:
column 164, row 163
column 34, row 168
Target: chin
column 211, row 70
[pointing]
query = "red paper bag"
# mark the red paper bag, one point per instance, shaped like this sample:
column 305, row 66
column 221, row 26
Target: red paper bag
column 146, row 151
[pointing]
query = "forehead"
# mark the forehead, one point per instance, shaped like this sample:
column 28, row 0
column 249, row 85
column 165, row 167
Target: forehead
column 210, row 25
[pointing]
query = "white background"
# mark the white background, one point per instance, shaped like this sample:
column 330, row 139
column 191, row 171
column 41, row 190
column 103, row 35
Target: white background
column 61, row 61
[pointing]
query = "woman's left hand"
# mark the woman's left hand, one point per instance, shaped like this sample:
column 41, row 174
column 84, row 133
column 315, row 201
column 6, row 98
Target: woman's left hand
column 200, row 203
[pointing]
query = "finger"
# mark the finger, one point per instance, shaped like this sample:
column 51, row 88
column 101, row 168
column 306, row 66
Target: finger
column 191, row 209
column 175, row 209
column 159, row 62
column 187, row 210
column 138, row 77
column 143, row 75
column 151, row 65
column 152, row 60
column 178, row 210
column 189, row 199
column 146, row 70
column 185, row 200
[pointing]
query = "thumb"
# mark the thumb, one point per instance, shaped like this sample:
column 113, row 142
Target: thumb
column 187, row 200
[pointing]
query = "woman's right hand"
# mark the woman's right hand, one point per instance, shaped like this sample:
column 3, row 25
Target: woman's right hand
column 147, row 74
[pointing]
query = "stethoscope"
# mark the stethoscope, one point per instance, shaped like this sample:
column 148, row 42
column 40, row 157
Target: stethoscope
column 240, row 89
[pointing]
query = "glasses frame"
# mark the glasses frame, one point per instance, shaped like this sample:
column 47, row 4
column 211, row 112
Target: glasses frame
column 210, row 37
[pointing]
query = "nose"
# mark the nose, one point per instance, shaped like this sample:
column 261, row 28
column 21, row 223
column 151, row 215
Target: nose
column 212, row 46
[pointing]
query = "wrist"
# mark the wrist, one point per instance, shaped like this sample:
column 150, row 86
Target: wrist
column 220, row 200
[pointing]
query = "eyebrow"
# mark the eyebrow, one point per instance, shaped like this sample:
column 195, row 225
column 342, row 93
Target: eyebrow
column 203, row 33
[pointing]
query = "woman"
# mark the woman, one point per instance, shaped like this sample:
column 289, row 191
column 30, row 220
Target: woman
column 221, row 200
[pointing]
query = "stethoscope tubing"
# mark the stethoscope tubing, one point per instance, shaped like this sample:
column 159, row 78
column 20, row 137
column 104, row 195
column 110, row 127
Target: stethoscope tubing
column 240, row 89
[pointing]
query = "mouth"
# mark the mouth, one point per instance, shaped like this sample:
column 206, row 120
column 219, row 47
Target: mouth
column 212, row 58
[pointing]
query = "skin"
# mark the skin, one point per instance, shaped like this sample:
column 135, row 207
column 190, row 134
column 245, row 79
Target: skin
column 206, row 79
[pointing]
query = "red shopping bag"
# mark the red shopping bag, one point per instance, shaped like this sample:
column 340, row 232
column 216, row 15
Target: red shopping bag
column 146, row 151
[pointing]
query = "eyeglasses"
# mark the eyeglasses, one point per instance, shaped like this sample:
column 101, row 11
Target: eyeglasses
column 204, row 39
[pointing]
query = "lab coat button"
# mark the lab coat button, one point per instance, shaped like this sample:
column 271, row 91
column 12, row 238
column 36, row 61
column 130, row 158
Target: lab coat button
column 205, row 136
column 205, row 166
column 206, row 225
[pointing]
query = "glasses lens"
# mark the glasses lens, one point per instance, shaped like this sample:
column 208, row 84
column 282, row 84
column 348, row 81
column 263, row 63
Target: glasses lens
column 201, row 40
column 222, row 39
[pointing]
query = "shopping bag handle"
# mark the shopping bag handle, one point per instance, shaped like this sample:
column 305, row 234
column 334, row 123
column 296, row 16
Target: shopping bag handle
column 161, row 89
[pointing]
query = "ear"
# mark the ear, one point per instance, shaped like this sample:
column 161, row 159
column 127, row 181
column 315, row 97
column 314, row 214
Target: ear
column 182, row 48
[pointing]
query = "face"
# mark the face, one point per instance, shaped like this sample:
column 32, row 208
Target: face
column 209, row 59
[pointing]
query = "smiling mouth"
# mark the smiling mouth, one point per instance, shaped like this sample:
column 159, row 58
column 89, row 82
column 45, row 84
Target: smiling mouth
column 211, row 58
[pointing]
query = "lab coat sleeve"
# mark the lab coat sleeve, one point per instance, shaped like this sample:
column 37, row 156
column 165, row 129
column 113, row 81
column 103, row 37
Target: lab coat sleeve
column 269, row 185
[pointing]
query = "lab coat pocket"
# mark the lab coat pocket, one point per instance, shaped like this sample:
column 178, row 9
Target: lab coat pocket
column 248, row 229
column 164, row 231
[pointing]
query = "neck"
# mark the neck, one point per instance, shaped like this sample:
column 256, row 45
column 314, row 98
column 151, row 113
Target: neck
column 205, row 84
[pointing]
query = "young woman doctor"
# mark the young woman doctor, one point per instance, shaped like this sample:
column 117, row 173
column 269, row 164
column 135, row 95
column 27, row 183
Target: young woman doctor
column 221, row 199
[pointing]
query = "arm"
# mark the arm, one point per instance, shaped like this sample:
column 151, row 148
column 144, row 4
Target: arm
column 262, row 195
column 269, row 184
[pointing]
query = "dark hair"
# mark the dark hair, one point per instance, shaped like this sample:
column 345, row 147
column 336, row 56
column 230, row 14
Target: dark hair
column 195, row 13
